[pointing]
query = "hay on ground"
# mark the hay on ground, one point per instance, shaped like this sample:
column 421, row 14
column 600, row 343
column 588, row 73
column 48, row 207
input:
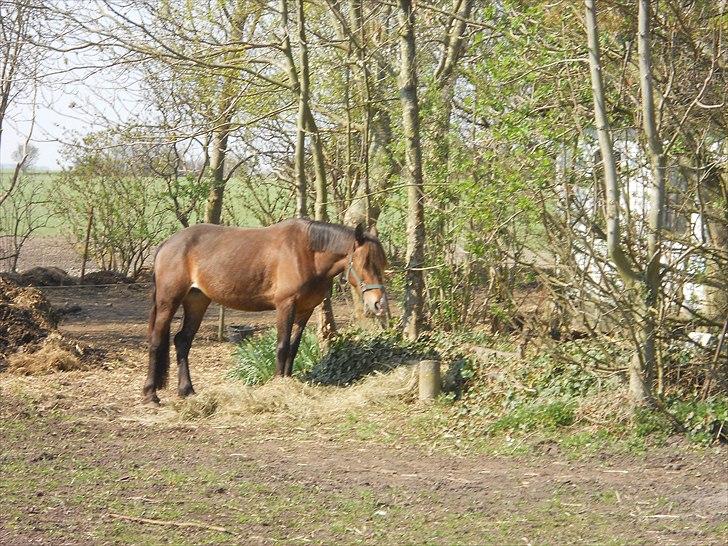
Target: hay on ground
column 55, row 354
column 291, row 397
column 29, row 341
column 606, row 407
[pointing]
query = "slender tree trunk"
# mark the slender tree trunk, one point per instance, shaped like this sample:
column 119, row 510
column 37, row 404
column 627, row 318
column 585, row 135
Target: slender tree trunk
column 218, row 150
column 606, row 148
column 218, row 146
column 306, row 123
column 299, row 165
column 715, row 191
column 657, row 205
column 296, row 85
column 319, row 162
column 303, row 92
column 445, row 75
column 645, row 359
column 414, row 281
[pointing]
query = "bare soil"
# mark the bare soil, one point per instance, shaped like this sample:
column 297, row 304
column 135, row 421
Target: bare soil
column 83, row 462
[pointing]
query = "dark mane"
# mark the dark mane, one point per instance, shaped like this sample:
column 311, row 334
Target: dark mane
column 323, row 237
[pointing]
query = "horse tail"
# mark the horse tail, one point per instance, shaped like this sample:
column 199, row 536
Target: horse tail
column 153, row 312
column 159, row 355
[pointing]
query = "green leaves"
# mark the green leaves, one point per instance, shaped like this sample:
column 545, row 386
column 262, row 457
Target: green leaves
column 354, row 354
column 255, row 358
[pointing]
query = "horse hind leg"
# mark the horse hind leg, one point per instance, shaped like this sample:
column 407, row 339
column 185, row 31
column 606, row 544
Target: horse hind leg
column 159, row 322
column 195, row 304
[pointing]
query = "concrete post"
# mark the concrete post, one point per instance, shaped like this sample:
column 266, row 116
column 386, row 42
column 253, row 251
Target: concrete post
column 430, row 382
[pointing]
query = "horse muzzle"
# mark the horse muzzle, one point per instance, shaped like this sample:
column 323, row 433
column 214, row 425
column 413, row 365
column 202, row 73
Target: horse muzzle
column 378, row 307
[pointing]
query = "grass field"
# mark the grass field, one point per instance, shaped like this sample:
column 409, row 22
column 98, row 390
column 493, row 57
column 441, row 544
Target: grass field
column 43, row 186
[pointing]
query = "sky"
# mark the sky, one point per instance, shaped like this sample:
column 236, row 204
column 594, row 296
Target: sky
column 67, row 106
column 63, row 112
column 53, row 124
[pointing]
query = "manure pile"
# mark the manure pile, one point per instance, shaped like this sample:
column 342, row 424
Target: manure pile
column 30, row 343
column 55, row 276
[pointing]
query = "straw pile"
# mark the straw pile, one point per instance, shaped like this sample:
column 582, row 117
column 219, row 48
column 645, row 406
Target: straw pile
column 294, row 398
column 29, row 341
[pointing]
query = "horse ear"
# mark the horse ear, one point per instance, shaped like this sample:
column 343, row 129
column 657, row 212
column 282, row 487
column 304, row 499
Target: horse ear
column 373, row 230
column 359, row 233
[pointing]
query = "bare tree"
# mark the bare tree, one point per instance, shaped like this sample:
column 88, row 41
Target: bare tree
column 414, row 281
column 20, row 58
column 27, row 155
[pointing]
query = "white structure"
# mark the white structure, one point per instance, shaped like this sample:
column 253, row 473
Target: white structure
column 684, row 229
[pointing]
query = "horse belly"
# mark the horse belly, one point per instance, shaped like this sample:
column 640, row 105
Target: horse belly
column 243, row 294
column 247, row 304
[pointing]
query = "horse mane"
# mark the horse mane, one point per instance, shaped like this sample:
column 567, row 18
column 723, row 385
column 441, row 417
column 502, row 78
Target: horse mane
column 324, row 237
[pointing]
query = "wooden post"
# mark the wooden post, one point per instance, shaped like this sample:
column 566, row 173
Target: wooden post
column 430, row 383
column 221, row 325
column 86, row 242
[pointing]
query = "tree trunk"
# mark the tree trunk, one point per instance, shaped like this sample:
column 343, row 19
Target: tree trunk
column 219, row 142
column 414, row 280
column 218, row 150
column 657, row 204
column 303, row 109
column 445, row 75
column 645, row 311
column 307, row 123
column 716, row 220
column 296, row 86
column 621, row 262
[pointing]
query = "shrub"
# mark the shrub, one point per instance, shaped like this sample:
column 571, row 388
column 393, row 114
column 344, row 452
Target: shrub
column 255, row 358
column 354, row 354
column 537, row 415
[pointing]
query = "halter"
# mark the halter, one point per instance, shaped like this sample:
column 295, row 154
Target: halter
column 364, row 287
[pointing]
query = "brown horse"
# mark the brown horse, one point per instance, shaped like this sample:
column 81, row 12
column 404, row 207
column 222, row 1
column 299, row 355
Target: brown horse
column 288, row 267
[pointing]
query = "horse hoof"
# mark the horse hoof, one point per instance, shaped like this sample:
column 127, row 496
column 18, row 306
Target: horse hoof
column 151, row 400
column 184, row 393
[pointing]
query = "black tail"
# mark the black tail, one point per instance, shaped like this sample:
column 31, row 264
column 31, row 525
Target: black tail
column 158, row 346
column 153, row 312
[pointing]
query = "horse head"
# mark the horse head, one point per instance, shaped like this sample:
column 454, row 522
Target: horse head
column 365, row 271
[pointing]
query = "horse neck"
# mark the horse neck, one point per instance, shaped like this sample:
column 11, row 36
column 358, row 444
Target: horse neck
column 330, row 264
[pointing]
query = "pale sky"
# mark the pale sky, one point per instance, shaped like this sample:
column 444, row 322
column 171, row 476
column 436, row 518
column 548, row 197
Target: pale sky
column 51, row 127
column 69, row 104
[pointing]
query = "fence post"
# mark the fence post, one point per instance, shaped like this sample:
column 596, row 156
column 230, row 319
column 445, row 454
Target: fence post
column 221, row 324
column 430, row 383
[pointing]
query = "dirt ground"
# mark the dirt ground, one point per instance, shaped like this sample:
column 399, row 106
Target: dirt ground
column 83, row 462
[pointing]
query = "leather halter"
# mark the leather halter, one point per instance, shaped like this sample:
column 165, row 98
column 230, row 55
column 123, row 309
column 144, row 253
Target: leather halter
column 364, row 287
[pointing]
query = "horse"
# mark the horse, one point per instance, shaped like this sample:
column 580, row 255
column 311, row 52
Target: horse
column 287, row 267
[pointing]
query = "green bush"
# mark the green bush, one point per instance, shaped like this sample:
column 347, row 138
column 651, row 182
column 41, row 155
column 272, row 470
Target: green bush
column 354, row 354
column 255, row 358
column 654, row 424
column 705, row 421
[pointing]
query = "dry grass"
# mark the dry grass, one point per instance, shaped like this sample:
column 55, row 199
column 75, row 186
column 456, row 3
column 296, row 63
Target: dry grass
column 607, row 407
column 294, row 398
column 52, row 356
column 114, row 392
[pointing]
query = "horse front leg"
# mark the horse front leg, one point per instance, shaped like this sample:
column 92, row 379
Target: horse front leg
column 298, row 326
column 284, row 322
